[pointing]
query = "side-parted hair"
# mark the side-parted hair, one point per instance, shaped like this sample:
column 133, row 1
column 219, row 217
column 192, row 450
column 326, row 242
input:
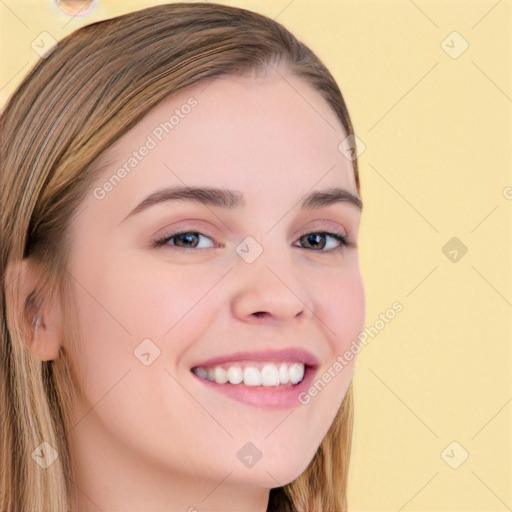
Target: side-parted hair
column 97, row 84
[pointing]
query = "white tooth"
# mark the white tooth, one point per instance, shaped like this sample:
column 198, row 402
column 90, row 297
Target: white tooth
column 200, row 372
column 235, row 375
column 252, row 376
column 220, row 375
column 284, row 378
column 296, row 373
column 270, row 375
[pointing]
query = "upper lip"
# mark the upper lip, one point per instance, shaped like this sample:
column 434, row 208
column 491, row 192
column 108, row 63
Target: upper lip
column 289, row 354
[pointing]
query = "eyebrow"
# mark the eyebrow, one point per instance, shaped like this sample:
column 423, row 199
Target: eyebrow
column 230, row 199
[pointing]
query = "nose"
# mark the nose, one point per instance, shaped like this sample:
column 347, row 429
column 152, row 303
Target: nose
column 270, row 290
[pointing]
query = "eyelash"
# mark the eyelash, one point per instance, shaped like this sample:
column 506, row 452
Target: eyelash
column 161, row 242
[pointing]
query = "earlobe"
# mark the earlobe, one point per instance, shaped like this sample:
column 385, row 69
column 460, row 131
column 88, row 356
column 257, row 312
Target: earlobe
column 39, row 319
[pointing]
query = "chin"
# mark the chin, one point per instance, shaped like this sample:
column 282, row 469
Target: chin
column 272, row 473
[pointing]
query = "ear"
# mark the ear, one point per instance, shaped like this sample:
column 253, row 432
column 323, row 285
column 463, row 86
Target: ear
column 40, row 320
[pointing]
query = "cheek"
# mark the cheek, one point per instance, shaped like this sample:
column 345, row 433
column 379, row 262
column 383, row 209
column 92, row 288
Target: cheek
column 147, row 297
column 341, row 305
column 352, row 311
column 121, row 304
column 130, row 301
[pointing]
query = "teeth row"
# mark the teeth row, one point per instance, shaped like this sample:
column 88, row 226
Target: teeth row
column 270, row 374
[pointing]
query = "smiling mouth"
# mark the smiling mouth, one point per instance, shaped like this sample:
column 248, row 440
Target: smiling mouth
column 254, row 373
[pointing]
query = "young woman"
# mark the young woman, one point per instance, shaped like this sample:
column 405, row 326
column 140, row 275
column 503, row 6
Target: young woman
column 179, row 269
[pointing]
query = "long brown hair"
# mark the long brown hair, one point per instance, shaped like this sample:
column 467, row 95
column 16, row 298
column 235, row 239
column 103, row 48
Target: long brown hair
column 74, row 104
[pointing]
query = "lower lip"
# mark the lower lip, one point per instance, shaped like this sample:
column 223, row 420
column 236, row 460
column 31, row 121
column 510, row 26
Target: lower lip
column 271, row 397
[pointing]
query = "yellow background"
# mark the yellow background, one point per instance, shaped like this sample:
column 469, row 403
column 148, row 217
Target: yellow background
column 436, row 165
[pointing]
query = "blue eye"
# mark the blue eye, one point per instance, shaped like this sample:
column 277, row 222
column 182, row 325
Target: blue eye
column 190, row 238
column 186, row 237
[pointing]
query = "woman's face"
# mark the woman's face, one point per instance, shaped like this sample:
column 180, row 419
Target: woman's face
column 243, row 278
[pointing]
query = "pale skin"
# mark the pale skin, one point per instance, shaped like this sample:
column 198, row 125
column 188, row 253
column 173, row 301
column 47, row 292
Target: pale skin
column 154, row 437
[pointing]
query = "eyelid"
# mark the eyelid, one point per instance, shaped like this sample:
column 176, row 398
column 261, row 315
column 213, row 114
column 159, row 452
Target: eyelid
column 188, row 225
column 193, row 224
column 320, row 225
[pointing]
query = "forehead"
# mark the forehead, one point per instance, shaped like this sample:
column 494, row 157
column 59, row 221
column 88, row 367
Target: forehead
column 262, row 135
